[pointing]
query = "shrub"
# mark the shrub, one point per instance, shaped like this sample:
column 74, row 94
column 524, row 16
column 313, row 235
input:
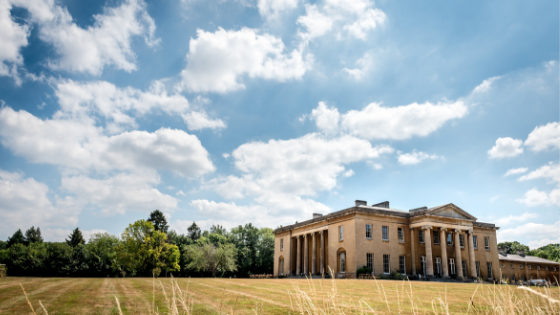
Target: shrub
column 363, row 270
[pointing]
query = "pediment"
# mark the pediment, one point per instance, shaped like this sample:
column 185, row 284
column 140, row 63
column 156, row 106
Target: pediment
column 452, row 211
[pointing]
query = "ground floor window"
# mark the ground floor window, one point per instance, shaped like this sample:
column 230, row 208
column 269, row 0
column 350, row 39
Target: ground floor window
column 522, row 278
column 386, row 264
column 464, row 268
column 478, row 269
column 369, row 259
column 438, row 266
column 342, row 262
column 423, row 264
column 452, row 266
column 282, row 266
column 402, row 265
column 489, row 266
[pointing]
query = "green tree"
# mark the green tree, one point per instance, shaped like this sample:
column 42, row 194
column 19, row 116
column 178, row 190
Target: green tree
column 208, row 257
column 193, row 232
column 550, row 252
column 218, row 229
column 17, row 238
column 75, row 238
column 102, row 252
column 513, row 247
column 33, row 235
column 265, row 250
column 158, row 220
column 3, row 245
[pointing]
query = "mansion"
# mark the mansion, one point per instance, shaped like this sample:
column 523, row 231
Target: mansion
column 443, row 241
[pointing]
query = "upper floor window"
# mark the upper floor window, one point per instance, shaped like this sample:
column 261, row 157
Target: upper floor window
column 368, row 231
column 400, row 232
column 487, row 243
column 520, row 266
column 538, row 267
column 475, row 241
column 554, row 269
column 341, row 233
column 546, row 268
column 511, row 265
column 502, row 265
column 529, row 266
column 281, row 244
column 436, row 237
column 385, row 233
column 449, row 239
column 462, row 240
column 421, row 236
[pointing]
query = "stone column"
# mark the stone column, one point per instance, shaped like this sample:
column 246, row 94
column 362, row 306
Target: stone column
column 305, row 255
column 322, row 254
column 429, row 258
column 314, row 255
column 471, row 254
column 298, row 256
column 458, row 258
column 443, row 241
column 412, row 254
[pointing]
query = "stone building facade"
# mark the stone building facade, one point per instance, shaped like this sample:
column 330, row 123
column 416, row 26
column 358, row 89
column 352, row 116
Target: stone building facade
column 524, row 268
column 443, row 241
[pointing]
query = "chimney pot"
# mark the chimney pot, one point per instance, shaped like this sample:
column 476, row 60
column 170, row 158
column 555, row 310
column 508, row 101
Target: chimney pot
column 502, row 251
column 361, row 203
column 384, row 204
column 317, row 215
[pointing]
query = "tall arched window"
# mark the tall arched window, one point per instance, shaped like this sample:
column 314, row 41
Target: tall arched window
column 341, row 253
column 281, row 266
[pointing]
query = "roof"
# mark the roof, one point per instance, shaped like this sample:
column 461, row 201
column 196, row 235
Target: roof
column 527, row 259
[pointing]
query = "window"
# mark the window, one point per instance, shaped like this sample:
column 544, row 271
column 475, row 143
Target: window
column 449, row 239
column 369, row 258
column 402, row 265
column 487, row 243
column 421, row 236
column 475, row 242
column 478, row 269
column 511, row 265
column 522, row 278
column 489, row 267
column 282, row 244
column 423, row 265
column 502, row 265
column 538, row 267
column 546, row 268
column 436, row 237
column 531, row 278
column 368, row 231
column 520, row 266
column 554, row 269
column 452, row 265
column 464, row 265
column 512, row 278
column 386, row 265
column 462, row 240
column 529, row 267
column 438, row 266
column 385, row 233
column 281, row 267
column 343, row 262
column 341, row 233
column 400, row 232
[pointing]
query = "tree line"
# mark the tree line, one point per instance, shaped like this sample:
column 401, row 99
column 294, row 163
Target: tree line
column 550, row 251
column 145, row 248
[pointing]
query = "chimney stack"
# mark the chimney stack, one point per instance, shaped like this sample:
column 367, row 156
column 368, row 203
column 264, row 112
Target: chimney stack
column 502, row 251
column 384, row 204
column 361, row 203
column 317, row 215
column 521, row 253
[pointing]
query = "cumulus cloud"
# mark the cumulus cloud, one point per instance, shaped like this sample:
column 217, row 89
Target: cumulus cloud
column 24, row 202
column 317, row 24
column 273, row 8
column 515, row 171
column 106, row 42
column 12, row 38
column 506, row 148
column 549, row 171
column 366, row 21
column 363, row 66
column 78, row 144
column 326, row 118
column 217, row 61
column 416, row 157
column 544, row 137
column 536, row 234
column 535, row 197
column 515, row 218
column 485, row 85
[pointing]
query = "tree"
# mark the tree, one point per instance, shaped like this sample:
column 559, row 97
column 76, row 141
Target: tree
column 513, row 247
column 550, row 252
column 158, row 220
column 218, row 229
column 76, row 238
column 101, row 248
column 194, row 232
column 33, row 235
column 211, row 258
column 17, row 238
column 265, row 250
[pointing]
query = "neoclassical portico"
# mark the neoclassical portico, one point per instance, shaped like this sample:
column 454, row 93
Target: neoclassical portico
column 308, row 244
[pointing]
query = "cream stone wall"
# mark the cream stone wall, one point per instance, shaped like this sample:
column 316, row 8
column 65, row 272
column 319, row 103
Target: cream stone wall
column 348, row 243
column 285, row 253
column 550, row 275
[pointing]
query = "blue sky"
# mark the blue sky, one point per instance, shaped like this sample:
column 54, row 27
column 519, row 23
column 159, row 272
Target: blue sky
column 266, row 111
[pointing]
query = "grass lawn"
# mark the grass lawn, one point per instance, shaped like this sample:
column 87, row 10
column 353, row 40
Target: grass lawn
column 273, row 296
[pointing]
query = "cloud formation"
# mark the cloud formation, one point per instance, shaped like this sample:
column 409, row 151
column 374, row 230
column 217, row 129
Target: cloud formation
column 506, row 148
column 415, row 157
column 544, row 137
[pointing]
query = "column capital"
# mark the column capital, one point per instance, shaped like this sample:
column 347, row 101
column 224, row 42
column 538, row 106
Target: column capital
column 471, row 232
column 321, row 232
column 411, row 228
column 427, row 227
column 458, row 230
column 443, row 229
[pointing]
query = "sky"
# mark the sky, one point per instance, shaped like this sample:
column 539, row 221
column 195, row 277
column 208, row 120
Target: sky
column 267, row 111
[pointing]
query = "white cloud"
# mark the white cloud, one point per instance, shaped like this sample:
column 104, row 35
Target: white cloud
column 325, row 118
column 364, row 64
column 514, row 218
column 485, row 85
column 366, row 21
column 375, row 166
column 120, row 193
column 549, row 171
column 180, row 193
column 535, row 197
column 544, row 137
column 317, row 24
column 217, row 61
column 12, row 38
column 536, row 234
column 24, row 202
column 348, row 173
column 272, row 8
column 505, row 148
column 119, row 106
column 515, row 171
column 415, row 157
column 77, row 144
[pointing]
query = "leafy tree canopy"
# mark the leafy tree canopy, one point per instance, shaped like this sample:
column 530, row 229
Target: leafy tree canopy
column 75, row 238
column 17, row 238
column 193, row 232
column 513, row 247
column 211, row 258
column 33, row 235
column 158, row 220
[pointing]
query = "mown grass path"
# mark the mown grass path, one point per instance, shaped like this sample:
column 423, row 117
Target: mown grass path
column 243, row 296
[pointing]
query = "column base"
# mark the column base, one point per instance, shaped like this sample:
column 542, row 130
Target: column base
column 446, row 277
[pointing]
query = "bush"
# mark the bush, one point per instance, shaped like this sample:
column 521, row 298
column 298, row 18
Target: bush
column 363, row 270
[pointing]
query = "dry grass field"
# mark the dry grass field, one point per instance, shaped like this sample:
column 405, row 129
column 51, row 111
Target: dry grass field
column 262, row 296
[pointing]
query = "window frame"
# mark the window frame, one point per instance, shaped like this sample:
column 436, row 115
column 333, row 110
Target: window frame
column 369, row 263
column 462, row 240
column 281, row 267
column 341, row 232
column 342, row 262
column 400, row 234
column 520, row 266
column 464, row 265
column 490, row 272
column 529, row 267
column 369, row 230
column 421, row 236
column 475, row 242
column 449, row 239
column 477, row 264
column 545, row 268
column 402, row 265
column 511, row 266
column 435, row 235
column 386, row 264
column 423, row 265
column 281, row 244
column 452, row 267
column 438, row 266
column 385, row 233
column 487, row 243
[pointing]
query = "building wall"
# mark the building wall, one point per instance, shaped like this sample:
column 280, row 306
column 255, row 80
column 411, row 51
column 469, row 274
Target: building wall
column 507, row 271
column 348, row 243
column 285, row 253
column 484, row 256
